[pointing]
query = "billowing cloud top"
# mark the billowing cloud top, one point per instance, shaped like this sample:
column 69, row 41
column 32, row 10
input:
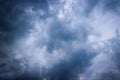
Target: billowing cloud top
column 59, row 40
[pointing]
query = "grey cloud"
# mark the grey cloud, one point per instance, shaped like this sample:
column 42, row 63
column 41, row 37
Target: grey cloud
column 112, row 5
column 70, row 69
column 106, row 64
column 67, row 37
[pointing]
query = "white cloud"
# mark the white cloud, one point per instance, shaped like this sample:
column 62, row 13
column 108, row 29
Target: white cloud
column 89, row 33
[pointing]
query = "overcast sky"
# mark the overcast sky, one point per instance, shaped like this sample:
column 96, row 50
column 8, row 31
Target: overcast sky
column 59, row 40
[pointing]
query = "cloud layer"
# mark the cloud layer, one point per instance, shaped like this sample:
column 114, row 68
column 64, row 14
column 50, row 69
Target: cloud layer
column 59, row 40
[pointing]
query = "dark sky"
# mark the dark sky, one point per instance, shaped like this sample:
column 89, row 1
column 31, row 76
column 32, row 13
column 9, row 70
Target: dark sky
column 59, row 39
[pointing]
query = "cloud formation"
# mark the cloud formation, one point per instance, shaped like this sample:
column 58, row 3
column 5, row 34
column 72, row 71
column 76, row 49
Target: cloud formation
column 59, row 40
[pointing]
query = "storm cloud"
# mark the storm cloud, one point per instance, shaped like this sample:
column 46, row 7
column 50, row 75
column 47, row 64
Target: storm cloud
column 59, row 39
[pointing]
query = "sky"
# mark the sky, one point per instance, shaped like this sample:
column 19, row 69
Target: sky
column 59, row 39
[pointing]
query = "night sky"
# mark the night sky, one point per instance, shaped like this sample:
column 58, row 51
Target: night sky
column 59, row 39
